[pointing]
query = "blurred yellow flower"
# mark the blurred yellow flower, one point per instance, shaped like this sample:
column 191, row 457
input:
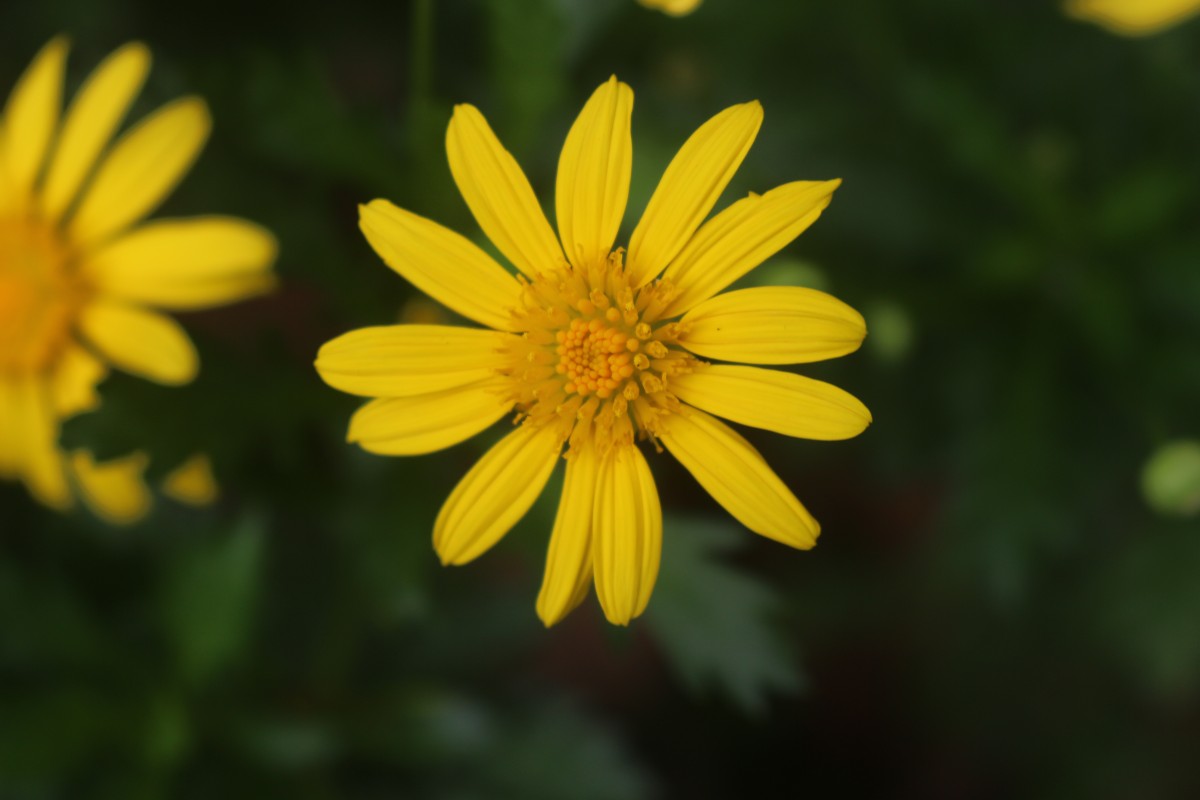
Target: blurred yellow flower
column 596, row 348
column 79, row 276
column 1134, row 17
column 676, row 8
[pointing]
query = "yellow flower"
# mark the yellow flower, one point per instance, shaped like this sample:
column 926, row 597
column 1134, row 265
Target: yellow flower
column 597, row 348
column 676, row 8
column 79, row 276
column 1133, row 17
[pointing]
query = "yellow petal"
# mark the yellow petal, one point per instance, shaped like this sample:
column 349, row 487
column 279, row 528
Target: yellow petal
column 442, row 264
column 90, row 122
column 495, row 493
column 29, row 440
column 775, row 401
column 772, row 325
column 186, row 264
column 405, row 360
column 690, row 188
column 743, row 236
column 30, row 118
column 143, row 167
column 627, row 526
column 737, row 477
column 192, row 482
column 74, row 381
column 674, row 8
column 1133, row 17
column 114, row 490
column 569, row 559
column 141, row 342
column 499, row 194
column 593, row 174
column 410, row 426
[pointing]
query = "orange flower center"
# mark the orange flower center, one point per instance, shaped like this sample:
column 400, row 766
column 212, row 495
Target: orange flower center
column 38, row 296
column 593, row 357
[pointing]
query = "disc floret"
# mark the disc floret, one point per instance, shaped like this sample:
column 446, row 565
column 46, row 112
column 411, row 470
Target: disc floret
column 593, row 358
column 38, row 297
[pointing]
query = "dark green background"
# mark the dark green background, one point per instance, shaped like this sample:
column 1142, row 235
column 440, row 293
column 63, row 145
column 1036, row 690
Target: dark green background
column 993, row 610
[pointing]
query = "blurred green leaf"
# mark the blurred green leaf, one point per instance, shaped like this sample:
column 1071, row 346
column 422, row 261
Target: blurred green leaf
column 208, row 598
column 716, row 625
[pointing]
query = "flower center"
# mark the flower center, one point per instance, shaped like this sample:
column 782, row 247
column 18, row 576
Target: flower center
column 38, row 296
column 593, row 358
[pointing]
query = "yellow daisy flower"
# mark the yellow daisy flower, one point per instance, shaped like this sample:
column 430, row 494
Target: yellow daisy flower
column 80, row 277
column 1134, row 17
column 596, row 348
column 676, row 8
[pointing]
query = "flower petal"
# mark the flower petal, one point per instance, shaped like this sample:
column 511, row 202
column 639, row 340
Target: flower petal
column 569, row 558
column 90, row 122
column 192, row 482
column 29, row 440
column 495, row 493
column 74, row 381
column 772, row 325
column 186, row 264
column 593, row 174
column 141, row 342
column 30, row 117
column 410, row 426
column 627, row 526
column 1130, row 18
column 499, row 194
column 442, row 264
column 144, row 166
column 743, row 236
column 690, row 188
column 114, row 490
column 773, row 400
column 737, row 477
column 406, row 360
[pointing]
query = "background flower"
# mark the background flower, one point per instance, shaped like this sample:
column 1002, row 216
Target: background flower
column 79, row 276
column 1134, row 17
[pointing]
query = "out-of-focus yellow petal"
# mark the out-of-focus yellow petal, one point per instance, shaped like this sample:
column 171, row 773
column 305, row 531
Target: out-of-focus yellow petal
column 186, row 264
column 675, row 8
column 569, row 559
column 772, row 325
column 690, row 188
column 499, row 194
column 627, row 530
column 141, row 342
column 776, row 401
column 743, row 236
column 30, row 118
column 192, row 482
column 593, row 174
column 495, row 493
column 29, row 440
column 90, row 122
column 406, row 360
column 143, row 167
column 1133, row 17
column 442, row 264
column 73, row 384
column 114, row 490
column 737, row 477
column 409, row 426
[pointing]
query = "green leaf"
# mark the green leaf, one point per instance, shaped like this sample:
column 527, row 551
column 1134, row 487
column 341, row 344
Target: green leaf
column 209, row 598
column 716, row 625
